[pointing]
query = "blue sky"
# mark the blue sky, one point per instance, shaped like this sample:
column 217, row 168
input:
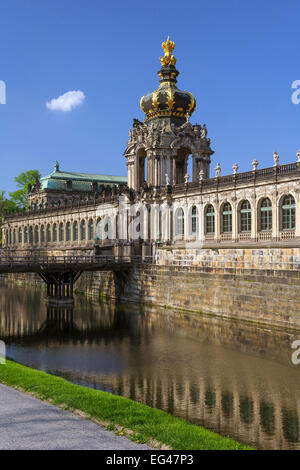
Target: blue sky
column 239, row 58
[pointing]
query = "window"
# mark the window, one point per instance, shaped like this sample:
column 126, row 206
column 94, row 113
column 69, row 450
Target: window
column 20, row 235
column 210, row 219
column 107, row 229
column 179, row 229
column 227, row 218
column 42, row 236
column 14, row 236
column 91, row 230
column 245, row 217
column 68, row 232
column 54, row 233
column 61, row 232
column 36, row 234
column 25, row 235
column 75, row 230
column 288, row 213
column 30, row 235
column 82, row 230
column 265, row 215
column 194, row 224
column 48, row 233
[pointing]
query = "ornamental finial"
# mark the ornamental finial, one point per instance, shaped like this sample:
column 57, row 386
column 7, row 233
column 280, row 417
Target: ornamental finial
column 168, row 58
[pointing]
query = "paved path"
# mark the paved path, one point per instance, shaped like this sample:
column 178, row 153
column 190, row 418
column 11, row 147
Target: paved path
column 28, row 423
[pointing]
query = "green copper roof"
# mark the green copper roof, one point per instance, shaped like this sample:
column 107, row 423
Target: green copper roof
column 57, row 180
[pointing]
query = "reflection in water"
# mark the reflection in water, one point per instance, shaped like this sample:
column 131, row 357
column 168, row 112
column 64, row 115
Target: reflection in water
column 234, row 378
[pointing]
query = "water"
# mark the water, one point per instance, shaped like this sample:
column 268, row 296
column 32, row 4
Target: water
column 232, row 377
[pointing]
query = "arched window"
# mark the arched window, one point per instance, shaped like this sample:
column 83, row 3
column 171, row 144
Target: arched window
column 210, row 219
column 68, row 232
column 20, row 235
column 288, row 213
column 54, row 233
column 107, row 228
column 91, row 230
column 9, row 238
column 245, row 217
column 179, row 228
column 226, row 218
column 30, row 235
column 36, row 234
column 266, row 215
column 61, row 232
column 82, row 230
column 194, row 220
column 99, row 234
column 42, row 235
column 25, row 235
column 75, row 230
column 14, row 236
column 48, row 233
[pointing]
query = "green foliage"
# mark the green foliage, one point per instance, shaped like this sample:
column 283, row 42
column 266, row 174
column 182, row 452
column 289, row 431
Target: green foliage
column 23, row 180
column 147, row 424
column 5, row 204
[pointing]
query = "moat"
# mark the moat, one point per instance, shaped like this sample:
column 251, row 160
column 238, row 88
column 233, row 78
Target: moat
column 234, row 378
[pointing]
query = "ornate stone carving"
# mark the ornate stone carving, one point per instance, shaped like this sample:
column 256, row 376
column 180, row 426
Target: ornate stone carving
column 235, row 168
column 276, row 158
column 218, row 170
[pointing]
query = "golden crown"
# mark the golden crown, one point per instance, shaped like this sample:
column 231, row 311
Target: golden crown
column 168, row 58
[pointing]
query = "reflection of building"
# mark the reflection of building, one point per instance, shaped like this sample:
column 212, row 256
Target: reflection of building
column 255, row 208
column 228, row 376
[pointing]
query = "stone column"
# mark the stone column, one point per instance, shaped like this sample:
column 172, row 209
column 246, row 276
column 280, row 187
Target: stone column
column 234, row 221
column 173, row 171
column 201, row 221
column 297, row 228
column 186, row 223
column 275, row 217
column 217, row 221
column 254, row 220
column 136, row 172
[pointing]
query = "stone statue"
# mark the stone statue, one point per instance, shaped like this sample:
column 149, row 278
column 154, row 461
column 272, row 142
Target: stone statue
column 167, row 179
column 235, row 168
column 204, row 131
column 218, row 170
column 276, row 158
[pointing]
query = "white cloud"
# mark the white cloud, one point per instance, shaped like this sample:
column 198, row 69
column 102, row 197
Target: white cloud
column 67, row 101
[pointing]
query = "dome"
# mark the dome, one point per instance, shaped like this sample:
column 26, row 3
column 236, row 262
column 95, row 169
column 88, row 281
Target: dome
column 168, row 100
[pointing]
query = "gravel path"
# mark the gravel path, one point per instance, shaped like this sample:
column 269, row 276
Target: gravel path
column 28, row 423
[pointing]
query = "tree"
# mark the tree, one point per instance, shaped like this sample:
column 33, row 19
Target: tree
column 23, row 180
column 5, row 204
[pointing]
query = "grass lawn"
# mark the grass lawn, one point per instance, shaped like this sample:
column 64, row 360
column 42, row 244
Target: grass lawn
column 126, row 417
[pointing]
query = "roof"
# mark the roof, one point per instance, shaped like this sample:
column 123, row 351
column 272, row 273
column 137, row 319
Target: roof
column 57, row 180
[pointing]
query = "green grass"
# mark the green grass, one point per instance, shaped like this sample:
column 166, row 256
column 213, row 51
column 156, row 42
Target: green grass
column 139, row 422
